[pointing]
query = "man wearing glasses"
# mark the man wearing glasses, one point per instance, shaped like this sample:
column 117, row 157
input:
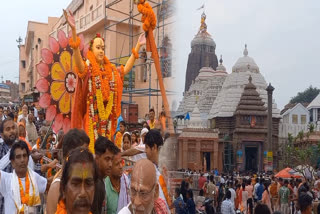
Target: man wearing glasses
column 144, row 191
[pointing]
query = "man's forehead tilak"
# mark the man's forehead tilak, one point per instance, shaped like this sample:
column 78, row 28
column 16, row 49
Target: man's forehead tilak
column 82, row 172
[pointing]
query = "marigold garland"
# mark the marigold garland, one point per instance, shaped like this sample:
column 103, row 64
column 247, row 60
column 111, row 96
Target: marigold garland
column 24, row 196
column 118, row 140
column 148, row 17
column 74, row 44
column 134, row 52
column 102, row 119
column 105, row 75
column 82, row 74
column 163, row 185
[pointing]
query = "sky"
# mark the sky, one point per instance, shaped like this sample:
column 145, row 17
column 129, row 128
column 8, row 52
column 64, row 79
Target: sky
column 14, row 17
column 283, row 38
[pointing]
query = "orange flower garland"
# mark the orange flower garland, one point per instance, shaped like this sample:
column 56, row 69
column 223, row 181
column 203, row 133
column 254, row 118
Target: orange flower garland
column 61, row 208
column 74, row 44
column 134, row 52
column 118, row 140
column 148, row 17
column 83, row 74
column 163, row 185
column 24, row 196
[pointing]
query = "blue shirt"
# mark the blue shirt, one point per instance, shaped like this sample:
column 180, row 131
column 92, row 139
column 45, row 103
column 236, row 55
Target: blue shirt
column 191, row 206
column 260, row 192
column 180, row 206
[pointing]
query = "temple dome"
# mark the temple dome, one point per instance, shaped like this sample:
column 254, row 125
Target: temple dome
column 206, row 72
column 245, row 63
column 221, row 68
column 226, row 102
column 203, row 37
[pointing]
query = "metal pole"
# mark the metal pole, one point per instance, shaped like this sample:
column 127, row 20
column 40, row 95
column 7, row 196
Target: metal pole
column 130, row 47
column 150, row 84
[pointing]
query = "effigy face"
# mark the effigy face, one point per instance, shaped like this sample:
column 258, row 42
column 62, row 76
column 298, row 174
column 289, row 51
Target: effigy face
column 98, row 49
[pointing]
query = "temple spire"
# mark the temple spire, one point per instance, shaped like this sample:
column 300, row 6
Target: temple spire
column 203, row 26
column 245, row 52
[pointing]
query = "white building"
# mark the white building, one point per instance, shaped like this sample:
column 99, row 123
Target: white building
column 204, row 90
column 228, row 98
column 314, row 111
column 293, row 121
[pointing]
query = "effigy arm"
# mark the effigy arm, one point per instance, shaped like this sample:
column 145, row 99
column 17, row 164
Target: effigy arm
column 133, row 57
column 75, row 43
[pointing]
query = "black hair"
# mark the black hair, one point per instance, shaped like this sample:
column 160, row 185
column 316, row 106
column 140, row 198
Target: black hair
column 211, row 178
column 137, row 135
column 18, row 145
column 228, row 194
column 153, row 137
column 127, row 135
column 190, row 193
column 249, row 181
column 201, row 192
column 286, row 182
column 77, row 155
column 266, row 185
column 122, row 123
column 262, row 209
column 1, row 107
column 243, row 185
column 151, row 110
column 11, row 115
column 103, row 144
column 72, row 139
column 3, row 122
column 177, row 190
column 145, row 122
column 304, row 201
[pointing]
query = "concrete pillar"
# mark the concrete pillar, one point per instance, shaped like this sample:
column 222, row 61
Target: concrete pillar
column 198, row 155
column 185, row 154
column 270, row 90
column 215, row 157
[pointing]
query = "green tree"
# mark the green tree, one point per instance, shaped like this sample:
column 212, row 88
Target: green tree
column 299, row 152
column 306, row 96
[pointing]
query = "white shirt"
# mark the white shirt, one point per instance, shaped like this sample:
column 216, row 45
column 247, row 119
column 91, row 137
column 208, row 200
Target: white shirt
column 6, row 189
column 22, row 116
column 125, row 210
column 233, row 195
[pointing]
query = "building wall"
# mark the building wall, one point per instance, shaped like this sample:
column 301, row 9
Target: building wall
column 117, row 45
column 294, row 121
column 23, row 78
column 36, row 39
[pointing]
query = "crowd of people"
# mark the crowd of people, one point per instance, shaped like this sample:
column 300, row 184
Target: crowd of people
column 47, row 172
column 248, row 194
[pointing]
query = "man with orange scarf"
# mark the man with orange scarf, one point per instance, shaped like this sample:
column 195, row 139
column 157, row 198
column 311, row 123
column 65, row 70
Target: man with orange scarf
column 153, row 142
column 77, row 184
column 21, row 188
column 97, row 100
